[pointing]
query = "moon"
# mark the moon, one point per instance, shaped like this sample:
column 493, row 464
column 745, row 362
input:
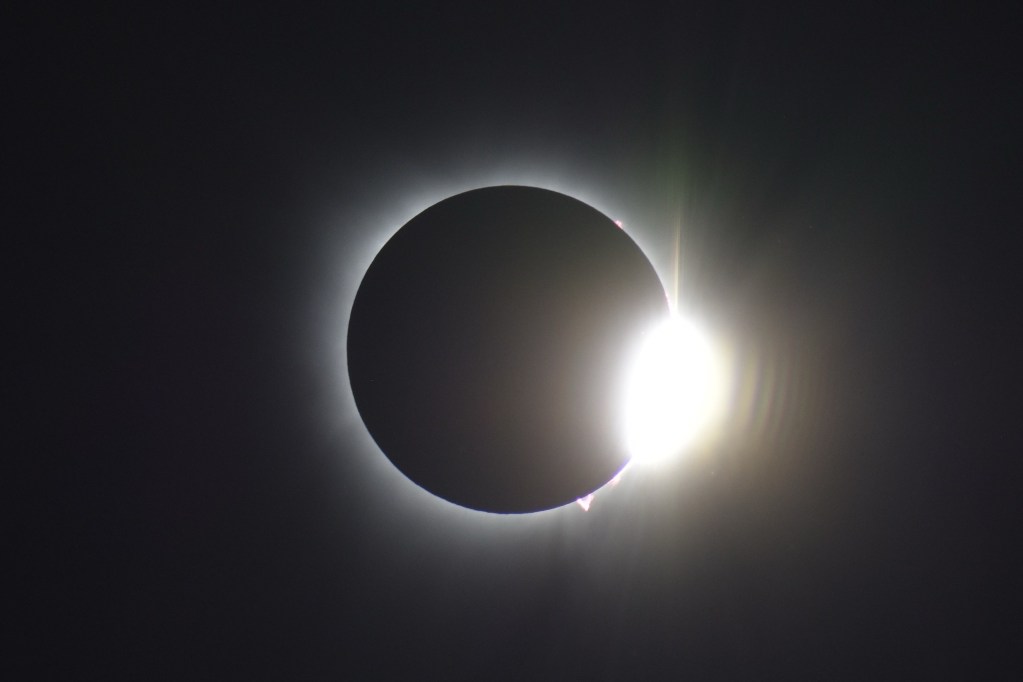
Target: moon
column 488, row 345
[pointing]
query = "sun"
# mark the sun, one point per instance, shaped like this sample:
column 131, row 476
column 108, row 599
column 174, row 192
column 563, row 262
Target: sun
column 672, row 389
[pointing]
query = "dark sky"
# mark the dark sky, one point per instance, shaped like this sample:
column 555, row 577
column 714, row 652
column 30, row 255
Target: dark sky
column 197, row 194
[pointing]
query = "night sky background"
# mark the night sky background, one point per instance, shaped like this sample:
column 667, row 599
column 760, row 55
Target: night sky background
column 194, row 197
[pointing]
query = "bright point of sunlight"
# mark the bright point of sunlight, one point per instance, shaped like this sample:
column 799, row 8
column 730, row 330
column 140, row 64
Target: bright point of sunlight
column 672, row 389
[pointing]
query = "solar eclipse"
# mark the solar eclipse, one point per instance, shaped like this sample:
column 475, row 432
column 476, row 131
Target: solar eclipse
column 500, row 349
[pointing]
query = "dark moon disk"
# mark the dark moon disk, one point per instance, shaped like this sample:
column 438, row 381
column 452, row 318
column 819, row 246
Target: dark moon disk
column 487, row 347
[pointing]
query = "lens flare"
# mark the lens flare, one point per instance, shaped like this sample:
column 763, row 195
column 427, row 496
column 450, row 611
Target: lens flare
column 672, row 390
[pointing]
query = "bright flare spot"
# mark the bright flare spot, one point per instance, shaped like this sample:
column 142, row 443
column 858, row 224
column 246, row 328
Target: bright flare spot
column 671, row 391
